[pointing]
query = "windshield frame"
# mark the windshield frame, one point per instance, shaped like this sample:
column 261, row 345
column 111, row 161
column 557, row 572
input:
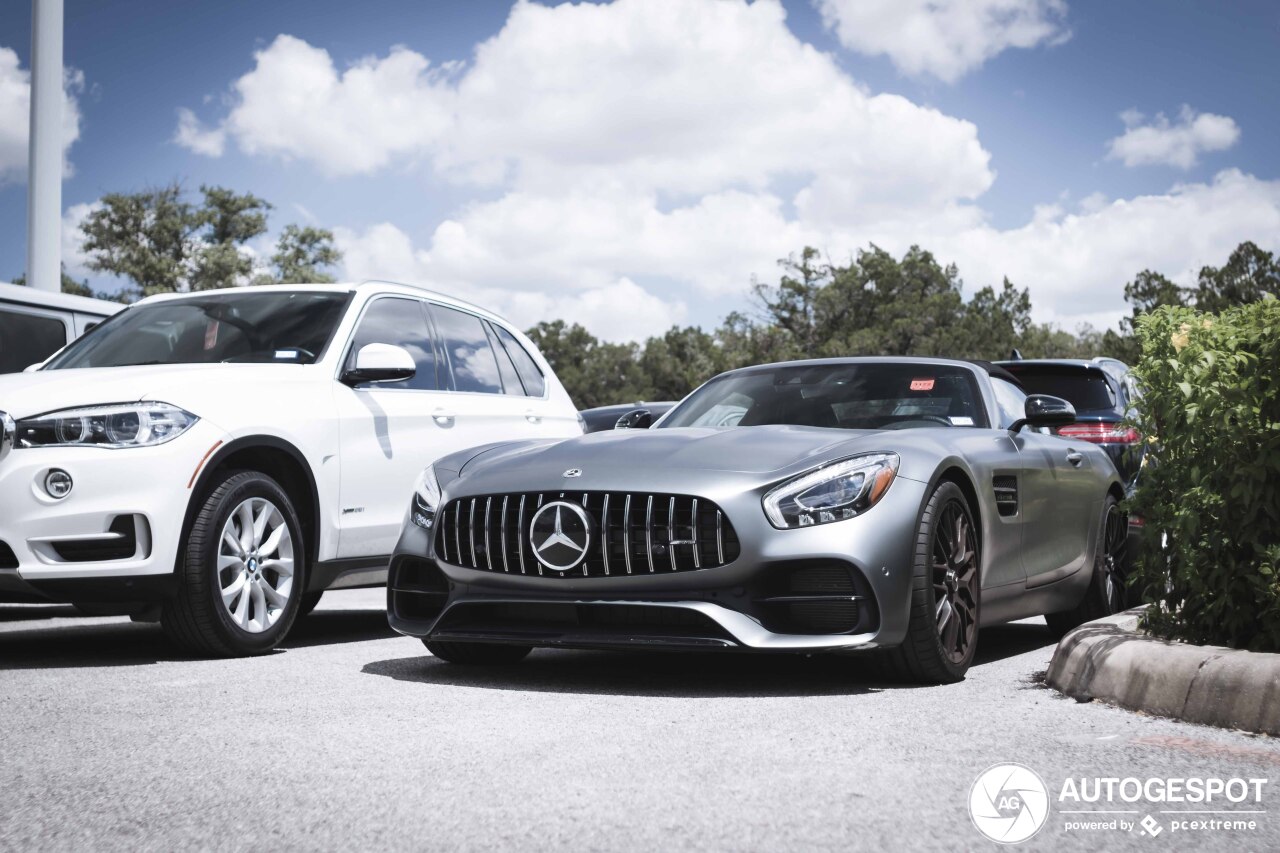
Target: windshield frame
column 971, row 372
column 54, row 361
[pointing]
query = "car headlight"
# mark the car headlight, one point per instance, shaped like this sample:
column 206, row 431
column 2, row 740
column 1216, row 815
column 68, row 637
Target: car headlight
column 832, row 493
column 121, row 425
column 426, row 499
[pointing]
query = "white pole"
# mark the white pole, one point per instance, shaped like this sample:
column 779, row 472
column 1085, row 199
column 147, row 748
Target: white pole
column 44, row 175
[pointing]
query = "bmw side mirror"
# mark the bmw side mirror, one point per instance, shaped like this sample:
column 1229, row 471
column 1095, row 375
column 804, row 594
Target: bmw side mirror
column 380, row 363
column 635, row 419
column 1044, row 410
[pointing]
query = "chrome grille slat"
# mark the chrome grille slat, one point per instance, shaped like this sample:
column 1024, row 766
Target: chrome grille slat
column 661, row 525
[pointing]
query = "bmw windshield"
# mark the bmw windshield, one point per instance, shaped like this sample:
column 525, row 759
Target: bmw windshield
column 864, row 395
column 288, row 327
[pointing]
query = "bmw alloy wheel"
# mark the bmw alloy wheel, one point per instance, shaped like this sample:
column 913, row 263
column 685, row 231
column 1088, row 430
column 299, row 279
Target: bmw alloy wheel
column 255, row 565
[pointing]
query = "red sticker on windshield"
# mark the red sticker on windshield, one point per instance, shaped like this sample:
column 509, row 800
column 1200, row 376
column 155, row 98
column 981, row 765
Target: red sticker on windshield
column 211, row 335
column 921, row 384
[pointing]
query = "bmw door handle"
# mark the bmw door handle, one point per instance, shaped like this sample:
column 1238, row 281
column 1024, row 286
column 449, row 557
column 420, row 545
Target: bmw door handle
column 1075, row 457
column 532, row 417
column 443, row 418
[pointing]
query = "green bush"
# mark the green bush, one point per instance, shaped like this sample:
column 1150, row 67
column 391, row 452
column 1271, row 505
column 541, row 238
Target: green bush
column 1210, row 493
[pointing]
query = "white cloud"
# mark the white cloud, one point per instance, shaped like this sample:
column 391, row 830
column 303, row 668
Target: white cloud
column 640, row 158
column 191, row 134
column 295, row 104
column 15, row 116
column 73, row 256
column 1164, row 143
column 618, row 309
column 944, row 38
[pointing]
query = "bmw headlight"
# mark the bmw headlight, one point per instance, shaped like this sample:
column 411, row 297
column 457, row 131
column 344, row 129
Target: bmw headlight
column 121, row 425
column 832, row 493
column 426, row 499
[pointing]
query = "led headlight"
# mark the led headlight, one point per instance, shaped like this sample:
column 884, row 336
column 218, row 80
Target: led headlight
column 832, row 493
column 426, row 499
column 122, row 425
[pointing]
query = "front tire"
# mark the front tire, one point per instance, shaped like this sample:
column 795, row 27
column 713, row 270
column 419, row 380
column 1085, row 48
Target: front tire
column 477, row 654
column 241, row 577
column 1108, row 591
column 942, row 634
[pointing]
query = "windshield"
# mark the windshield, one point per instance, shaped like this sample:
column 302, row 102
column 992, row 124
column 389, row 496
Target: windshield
column 1086, row 390
column 289, row 327
column 843, row 396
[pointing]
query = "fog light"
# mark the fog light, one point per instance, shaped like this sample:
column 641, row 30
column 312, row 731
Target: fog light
column 58, row 483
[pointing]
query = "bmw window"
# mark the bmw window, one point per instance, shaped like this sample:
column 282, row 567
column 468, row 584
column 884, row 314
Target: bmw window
column 28, row 338
column 402, row 323
column 530, row 376
column 475, row 367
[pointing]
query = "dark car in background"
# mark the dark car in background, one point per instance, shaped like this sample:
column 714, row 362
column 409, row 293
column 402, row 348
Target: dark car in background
column 603, row 418
column 1102, row 392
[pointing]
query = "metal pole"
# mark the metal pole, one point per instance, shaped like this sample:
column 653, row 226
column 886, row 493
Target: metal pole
column 44, row 175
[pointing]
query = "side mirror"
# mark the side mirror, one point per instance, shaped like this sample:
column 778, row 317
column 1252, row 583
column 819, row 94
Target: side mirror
column 380, row 363
column 1043, row 410
column 635, row 419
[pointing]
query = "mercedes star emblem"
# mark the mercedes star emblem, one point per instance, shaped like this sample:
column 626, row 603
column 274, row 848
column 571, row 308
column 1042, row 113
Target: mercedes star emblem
column 560, row 534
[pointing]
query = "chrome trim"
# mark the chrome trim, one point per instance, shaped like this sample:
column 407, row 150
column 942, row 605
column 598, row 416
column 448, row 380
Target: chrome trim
column 457, row 532
column 471, row 534
column 671, row 532
column 536, row 562
column 648, row 531
column 604, row 533
column 503, row 528
column 488, row 556
column 8, row 433
column 626, row 531
column 697, row 561
column 520, row 534
column 720, row 536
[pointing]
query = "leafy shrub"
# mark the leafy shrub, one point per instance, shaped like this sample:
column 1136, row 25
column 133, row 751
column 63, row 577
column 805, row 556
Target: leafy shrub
column 1210, row 495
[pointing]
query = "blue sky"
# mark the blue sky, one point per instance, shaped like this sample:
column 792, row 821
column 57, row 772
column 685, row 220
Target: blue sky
column 564, row 176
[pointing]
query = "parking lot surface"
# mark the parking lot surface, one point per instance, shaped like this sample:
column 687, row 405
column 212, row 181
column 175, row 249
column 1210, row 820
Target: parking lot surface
column 351, row 737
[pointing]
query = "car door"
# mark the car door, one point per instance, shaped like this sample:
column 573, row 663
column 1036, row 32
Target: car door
column 488, row 400
column 1057, row 485
column 390, row 431
column 542, row 416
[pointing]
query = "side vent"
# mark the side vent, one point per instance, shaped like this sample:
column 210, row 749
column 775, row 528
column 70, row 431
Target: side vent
column 1006, row 489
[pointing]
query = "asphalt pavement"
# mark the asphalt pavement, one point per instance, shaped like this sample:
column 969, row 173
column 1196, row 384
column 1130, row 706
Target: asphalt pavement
column 353, row 738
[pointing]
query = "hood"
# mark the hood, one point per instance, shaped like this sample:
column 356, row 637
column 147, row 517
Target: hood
column 756, row 453
column 184, row 385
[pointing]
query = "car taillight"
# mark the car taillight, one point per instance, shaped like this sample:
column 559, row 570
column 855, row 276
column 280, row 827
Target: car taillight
column 1101, row 433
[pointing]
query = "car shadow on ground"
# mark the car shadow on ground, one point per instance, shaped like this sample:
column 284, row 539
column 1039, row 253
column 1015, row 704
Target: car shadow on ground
column 93, row 642
column 698, row 674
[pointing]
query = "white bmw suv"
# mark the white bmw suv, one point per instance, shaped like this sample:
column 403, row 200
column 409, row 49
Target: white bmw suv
column 219, row 459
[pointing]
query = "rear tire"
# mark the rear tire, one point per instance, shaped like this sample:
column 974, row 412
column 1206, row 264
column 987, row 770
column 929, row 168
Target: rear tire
column 1108, row 591
column 240, row 579
column 477, row 654
column 942, row 634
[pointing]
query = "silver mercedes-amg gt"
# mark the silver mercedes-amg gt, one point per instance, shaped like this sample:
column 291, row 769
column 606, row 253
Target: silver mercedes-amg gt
column 886, row 504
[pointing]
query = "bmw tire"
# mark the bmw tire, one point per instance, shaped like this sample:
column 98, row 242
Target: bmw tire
column 241, row 577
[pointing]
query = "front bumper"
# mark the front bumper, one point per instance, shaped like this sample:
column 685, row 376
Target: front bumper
column 115, row 535
column 752, row 604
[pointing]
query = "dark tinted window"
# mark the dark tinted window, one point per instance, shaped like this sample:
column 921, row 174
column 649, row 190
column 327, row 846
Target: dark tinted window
column 1011, row 400
column 510, row 380
column 283, row 328
column 530, row 375
column 474, row 366
column 847, row 396
column 1087, row 390
column 26, row 339
column 403, row 323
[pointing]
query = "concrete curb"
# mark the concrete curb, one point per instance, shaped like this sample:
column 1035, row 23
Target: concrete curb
column 1111, row 660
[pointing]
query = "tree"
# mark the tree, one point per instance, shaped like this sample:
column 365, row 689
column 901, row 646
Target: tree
column 163, row 243
column 677, row 362
column 302, row 253
column 1249, row 273
column 145, row 237
column 595, row 373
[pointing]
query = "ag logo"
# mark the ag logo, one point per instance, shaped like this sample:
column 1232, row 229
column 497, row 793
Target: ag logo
column 561, row 534
column 1008, row 803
